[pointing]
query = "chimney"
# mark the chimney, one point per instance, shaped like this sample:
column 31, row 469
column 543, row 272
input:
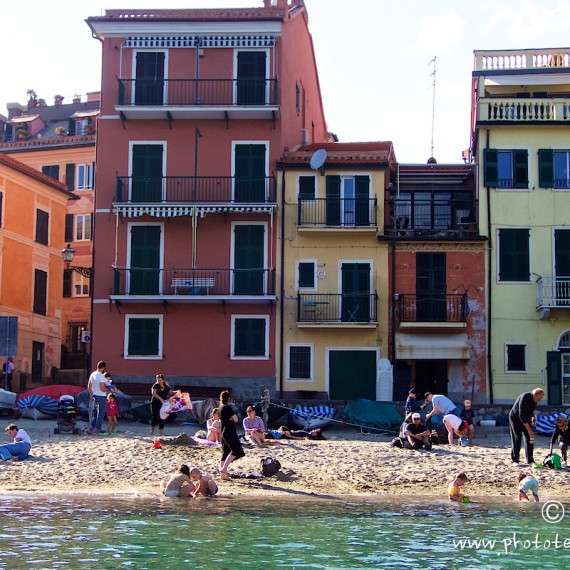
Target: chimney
column 93, row 96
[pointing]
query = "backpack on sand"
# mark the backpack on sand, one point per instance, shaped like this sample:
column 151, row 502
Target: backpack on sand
column 270, row 466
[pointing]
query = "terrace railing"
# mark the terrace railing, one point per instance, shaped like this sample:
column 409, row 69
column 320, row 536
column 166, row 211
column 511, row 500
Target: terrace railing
column 337, row 212
column 350, row 308
column 553, row 292
column 443, row 309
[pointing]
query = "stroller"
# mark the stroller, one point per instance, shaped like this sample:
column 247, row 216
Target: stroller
column 66, row 416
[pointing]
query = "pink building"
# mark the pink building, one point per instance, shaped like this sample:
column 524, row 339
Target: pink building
column 197, row 106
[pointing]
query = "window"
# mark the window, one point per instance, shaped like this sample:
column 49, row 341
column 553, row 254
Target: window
column 250, row 337
column 300, row 363
column 84, row 177
column 42, row 227
column 553, row 168
column 143, row 336
column 515, row 358
column 514, row 255
column 506, row 168
column 40, row 292
column 80, row 126
column 51, row 170
column 297, row 98
column 80, row 285
column 83, row 227
column 1, row 207
column 306, row 275
column 307, row 187
column 347, row 202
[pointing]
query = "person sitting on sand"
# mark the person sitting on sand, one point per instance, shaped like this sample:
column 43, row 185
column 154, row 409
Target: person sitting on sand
column 527, row 483
column 180, row 484
column 18, row 450
column 454, row 426
column 203, row 485
column 286, row 433
column 253, row 427
column 416, row 433
column 214, row 426
column 453, row 490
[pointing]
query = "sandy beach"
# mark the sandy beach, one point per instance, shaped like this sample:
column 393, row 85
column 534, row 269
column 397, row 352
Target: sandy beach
column 347, row 463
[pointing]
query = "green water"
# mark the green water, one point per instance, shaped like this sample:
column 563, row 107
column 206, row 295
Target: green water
column 264, row 533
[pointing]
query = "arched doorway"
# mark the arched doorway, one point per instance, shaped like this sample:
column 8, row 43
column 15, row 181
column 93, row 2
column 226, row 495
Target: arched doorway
column 558, row 372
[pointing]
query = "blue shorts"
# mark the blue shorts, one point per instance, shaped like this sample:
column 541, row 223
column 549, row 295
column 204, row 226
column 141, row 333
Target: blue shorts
column 209, row 492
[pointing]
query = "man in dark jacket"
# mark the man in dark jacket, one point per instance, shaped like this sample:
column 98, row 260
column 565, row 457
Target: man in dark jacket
column 521, row 420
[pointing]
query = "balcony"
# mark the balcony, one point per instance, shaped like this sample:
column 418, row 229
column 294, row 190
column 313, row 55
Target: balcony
column 193, row 285
column 337, row 213
column 553, row 293
column 334, row 309
column 521, row 60
column 164, row 195
column 531, row 110
column 449, row 311
column 198, row 99
column 431, row 218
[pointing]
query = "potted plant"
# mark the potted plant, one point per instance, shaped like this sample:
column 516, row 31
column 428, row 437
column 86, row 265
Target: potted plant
column 22, row 133
column 58, row 99
column 89, row 129
column 60, row 131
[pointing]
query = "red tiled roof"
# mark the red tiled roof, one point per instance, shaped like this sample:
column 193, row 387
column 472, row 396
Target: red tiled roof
column 33, row 173
column 344, row 153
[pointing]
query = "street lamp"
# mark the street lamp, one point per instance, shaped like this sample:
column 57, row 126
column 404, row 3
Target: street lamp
column 67, row 254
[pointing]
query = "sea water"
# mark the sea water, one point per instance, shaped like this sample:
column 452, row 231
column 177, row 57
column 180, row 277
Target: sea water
column 264, row 532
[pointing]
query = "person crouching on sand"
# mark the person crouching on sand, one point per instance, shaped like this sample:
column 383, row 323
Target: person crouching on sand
column 179, row 484
column 203, row 485
column 527, row 483
column 453, row 490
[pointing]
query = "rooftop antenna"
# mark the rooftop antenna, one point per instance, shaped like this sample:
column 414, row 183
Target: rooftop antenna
column 433, row 102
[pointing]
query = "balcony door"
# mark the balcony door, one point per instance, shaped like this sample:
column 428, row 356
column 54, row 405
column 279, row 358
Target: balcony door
column 249, row 171
column 147, row 173
column 145, row 260
column 562, row 266
column 430, row 287
column 249, row 259
column 348, row 201
column 251, row 75
column 149, row 82
column 355, row 307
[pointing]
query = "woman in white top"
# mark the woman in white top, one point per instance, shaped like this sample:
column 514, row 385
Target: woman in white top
column 18, row 450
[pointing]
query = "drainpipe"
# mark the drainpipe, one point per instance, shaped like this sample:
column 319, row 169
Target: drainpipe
column 489, row 284
column 393, row 305
column 282, row 287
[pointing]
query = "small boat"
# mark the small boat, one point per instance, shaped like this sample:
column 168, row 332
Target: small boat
column 37, row 407
column 312, row 417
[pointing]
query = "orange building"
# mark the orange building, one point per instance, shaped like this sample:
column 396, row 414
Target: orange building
column 32, row 221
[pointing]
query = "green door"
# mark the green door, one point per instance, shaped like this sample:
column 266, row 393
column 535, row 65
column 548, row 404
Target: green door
column 249, row 259
column 355, row 306
column 352, row 374
column 149, row 83
column 430, row 287
column 562, row 266
column 251, row 66
column 146, row 181
column 250, row 173
column 144, row 274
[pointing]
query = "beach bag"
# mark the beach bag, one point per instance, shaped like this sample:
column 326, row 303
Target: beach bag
column 552, row 461
column 269, row 466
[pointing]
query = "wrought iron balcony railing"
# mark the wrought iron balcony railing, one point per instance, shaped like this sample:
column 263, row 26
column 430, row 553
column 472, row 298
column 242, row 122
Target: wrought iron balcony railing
column 444, row 309
column 355, row 308
column 196, row 189
column 553, row 293
column 192, row 283
column 337, row 212
column 198, row 92
column 409, row 216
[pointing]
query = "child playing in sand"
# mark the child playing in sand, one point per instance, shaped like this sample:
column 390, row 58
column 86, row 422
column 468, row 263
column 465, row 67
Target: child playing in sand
column 203, row 485
column 214, row 426
column 179, row 484
column 527, row 483
column 453, row 489
column 112, row 413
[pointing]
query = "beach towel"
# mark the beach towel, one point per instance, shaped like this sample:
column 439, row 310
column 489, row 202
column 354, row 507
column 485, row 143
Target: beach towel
column 181, row 401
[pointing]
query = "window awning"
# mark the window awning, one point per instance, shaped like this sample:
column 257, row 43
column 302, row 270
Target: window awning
column 432, row 346
column 24, row 119
column 85, row 114
column 134, row 211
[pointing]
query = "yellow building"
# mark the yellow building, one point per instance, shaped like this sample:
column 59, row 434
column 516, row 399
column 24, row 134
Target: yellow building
column 333, row 339
column 32, row 218
column 520, row 117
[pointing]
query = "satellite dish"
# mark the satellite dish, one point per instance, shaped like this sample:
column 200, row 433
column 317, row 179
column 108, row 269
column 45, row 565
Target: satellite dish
column 318, row 159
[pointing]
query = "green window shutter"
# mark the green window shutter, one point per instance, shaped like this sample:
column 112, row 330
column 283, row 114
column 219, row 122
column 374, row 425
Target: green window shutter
column 554, row 378
column 1, row 206
column 40, row 292
column 491, row 167
column 249, row 337
column 514, row 264
column 306, row 187
column 70, row 176
column 545, row 168
column 67, row 282
column 333, row 201
column 68, row 227
column 300, row 362
column 51, row 170
column 42, row 227
column 306, row 275
column 362, row 193
column 143, row 337
column 520, row 168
